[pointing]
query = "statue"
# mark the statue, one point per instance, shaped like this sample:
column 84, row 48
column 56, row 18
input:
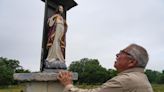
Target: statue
column 56, row 40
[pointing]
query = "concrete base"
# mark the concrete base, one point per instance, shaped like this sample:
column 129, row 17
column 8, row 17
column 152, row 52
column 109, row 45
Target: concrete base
column 43, row 87
column 41, row 82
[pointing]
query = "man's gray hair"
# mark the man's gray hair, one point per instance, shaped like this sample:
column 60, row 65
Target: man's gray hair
column 139, row 54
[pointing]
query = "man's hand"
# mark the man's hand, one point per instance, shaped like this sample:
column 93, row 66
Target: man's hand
column 65, row 78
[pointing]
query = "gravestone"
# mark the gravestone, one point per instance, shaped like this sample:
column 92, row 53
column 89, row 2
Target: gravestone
column 46, row 79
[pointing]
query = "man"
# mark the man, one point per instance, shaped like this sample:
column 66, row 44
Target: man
column 130, row 63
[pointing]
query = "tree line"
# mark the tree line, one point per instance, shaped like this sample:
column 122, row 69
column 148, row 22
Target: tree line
column 89, row 72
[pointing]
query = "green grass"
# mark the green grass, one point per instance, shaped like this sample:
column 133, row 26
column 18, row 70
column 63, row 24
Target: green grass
column 11, row 89
column 156, row 88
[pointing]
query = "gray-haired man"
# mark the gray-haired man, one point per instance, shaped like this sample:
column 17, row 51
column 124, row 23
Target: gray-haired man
column 130, row 63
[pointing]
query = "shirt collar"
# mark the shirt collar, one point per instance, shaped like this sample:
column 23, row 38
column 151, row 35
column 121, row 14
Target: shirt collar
column 136, row 69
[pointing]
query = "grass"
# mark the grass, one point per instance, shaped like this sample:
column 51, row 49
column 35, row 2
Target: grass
column 15, row 88
column 156, row 88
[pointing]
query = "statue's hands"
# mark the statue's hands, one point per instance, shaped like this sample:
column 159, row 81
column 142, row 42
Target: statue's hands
column 52, row 20
column 65, row 78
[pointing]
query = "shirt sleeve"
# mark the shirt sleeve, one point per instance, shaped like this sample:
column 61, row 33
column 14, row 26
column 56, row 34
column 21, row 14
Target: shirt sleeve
column 109, row 86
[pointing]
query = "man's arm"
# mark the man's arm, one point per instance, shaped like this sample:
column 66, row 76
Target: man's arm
column 110, row 86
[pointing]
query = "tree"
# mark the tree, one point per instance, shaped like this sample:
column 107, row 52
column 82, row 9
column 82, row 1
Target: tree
column 7, row 69
column 160, row 78
column 89, row 71
column 21, row 70
column 153, row 76
column 112, row 73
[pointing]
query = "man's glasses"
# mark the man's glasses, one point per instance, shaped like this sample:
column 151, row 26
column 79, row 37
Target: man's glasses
column 125, row 52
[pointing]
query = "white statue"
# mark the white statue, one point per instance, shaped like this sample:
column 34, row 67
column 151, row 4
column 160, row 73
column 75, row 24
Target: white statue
column 56, row 40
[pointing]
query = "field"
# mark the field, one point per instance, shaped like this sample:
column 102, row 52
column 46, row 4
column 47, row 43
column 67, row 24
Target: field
column 11, row 89
column 156, row 88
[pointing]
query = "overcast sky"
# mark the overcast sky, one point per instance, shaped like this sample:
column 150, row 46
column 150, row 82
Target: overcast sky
column 97, row 29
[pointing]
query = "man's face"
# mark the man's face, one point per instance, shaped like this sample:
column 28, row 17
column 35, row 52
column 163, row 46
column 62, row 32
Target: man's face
column 123, row 60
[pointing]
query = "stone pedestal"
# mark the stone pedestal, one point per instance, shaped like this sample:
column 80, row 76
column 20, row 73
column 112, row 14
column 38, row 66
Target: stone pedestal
column 41, row 82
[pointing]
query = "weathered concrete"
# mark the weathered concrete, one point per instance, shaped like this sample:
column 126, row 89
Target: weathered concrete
column 43, row 87
column 44, row 76
column 41, row 82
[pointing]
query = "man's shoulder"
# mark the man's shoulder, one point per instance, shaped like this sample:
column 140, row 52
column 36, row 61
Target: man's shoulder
column 132, row 79
column 129, row 77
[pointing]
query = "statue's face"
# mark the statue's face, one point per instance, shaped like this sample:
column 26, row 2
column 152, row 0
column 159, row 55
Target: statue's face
column 61, row 10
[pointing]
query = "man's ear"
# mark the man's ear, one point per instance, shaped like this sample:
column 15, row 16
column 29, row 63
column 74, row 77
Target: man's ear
column 132, row 63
